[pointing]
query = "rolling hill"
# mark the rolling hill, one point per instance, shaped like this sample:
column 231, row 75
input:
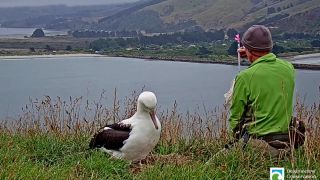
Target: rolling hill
column 175, row 15
column 57, row 16
column 158, row 16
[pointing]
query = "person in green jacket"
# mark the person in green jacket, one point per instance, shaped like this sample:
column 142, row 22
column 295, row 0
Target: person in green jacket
column 262, row 99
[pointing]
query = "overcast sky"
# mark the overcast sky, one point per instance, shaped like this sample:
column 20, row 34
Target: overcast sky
column 11, row 3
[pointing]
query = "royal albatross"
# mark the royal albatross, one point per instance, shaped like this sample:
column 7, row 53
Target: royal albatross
column 134, row 138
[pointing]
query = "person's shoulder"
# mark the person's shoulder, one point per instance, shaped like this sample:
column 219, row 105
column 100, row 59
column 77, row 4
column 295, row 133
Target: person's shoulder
column 244, row 73
column 285, row 63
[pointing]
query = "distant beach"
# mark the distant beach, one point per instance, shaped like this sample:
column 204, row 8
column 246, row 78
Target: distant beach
column 48, row 56
column 307, row 56
column 307, row 59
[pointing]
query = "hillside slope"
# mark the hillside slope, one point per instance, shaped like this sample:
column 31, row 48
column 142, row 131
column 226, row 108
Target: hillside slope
column 56, row 16
column 173, row 15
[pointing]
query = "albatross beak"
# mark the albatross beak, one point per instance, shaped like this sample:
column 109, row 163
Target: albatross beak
column 153, row 117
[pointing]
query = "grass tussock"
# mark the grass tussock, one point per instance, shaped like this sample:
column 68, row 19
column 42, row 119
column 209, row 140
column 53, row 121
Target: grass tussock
column 50, row 141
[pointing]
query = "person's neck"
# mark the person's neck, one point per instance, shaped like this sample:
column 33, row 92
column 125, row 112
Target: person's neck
column 258, row 55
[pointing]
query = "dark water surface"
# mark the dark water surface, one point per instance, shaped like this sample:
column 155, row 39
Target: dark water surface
column 190, row 84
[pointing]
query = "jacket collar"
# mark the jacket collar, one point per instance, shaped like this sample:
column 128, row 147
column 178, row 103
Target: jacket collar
column 266, row 58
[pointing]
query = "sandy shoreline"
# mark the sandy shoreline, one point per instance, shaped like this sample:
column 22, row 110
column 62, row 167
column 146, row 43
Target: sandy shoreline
column 306, row 56
column 49, row 56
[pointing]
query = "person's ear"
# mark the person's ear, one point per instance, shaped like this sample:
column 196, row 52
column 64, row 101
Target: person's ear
column 250, row 56
column 248, row 53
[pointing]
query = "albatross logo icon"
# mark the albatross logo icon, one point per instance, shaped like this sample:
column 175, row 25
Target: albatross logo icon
column 276, row 173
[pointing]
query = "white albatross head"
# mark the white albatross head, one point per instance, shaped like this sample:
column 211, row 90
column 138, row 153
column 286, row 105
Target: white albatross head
column 147, row 102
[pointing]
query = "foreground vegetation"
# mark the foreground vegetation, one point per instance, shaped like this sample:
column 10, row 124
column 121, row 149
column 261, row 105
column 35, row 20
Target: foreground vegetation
column 50, row 141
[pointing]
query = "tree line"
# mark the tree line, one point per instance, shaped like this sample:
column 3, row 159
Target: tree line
column 197, row 37
column 162, row 39
column 105, row 34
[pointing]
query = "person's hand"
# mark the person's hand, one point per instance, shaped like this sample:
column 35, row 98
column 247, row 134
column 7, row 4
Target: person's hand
column 242, row 52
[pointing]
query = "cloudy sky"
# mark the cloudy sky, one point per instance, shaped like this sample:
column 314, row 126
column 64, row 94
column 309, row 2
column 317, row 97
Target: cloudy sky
column 11, row 3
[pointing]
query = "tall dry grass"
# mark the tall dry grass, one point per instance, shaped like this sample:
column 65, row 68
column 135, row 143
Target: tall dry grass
column 311, row 116
column 79, row 117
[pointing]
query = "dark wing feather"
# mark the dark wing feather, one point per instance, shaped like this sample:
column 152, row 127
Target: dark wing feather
column 120, row 127
column 110, row 139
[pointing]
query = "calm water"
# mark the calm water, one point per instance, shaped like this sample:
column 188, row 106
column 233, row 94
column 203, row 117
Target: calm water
column 21, row 32
column 191, row 84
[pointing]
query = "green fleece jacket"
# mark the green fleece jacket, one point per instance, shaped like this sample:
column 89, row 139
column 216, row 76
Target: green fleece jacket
column 266, row 90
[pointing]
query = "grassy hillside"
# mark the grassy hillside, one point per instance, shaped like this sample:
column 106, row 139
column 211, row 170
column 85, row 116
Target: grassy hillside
column 171, row 15
column 56, row 16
